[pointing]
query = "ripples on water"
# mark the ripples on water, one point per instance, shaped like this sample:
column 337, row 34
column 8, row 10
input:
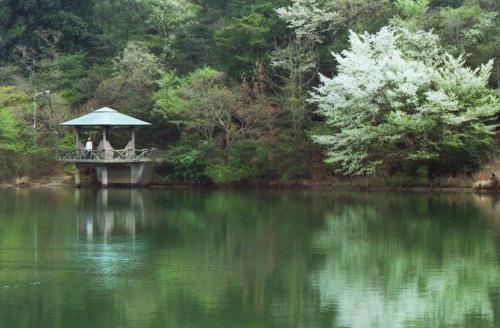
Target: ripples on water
column 145, row 258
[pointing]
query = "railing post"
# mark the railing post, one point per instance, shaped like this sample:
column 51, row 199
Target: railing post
column 117, row 155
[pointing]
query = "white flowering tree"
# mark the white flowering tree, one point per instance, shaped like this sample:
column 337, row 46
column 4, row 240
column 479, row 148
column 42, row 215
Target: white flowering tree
column 397, row 102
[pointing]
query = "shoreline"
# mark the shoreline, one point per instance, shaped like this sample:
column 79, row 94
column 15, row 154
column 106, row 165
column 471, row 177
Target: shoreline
column 373, row 184
column 329, row 187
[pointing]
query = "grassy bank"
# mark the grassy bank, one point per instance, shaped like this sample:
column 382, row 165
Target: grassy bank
column 63, row 176
column 361, row 183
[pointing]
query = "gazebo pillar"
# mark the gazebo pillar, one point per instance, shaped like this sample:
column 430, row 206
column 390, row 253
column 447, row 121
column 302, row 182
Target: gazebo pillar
column 104, row 169
column 104, row 136
column 78, row 154
column 77, row 138
column 133, row 138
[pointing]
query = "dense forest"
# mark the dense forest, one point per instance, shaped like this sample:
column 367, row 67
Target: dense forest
column 257, row 90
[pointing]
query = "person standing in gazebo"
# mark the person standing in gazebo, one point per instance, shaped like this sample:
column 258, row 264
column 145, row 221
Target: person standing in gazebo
column 88, row 148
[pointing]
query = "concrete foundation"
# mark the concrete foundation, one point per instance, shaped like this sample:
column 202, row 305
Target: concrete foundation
column 104, row 176
column 122, row 174
column 77, row 176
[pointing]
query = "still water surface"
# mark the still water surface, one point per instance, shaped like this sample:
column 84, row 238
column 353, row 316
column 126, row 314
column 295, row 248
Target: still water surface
column 180, row 258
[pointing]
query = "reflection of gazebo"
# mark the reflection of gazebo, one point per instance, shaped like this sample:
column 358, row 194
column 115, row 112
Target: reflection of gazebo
column 122, row 166
column 109, row 212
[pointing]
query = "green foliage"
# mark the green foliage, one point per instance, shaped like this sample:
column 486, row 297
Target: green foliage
column 15, row 146
column 295, row 66
column 186, row 161
column 464, row 27
column 246, row 40
column 66, row 141
column 164, row 15
column 410, row 8
column 70, row 73
column 137, row 65
column 73, row 20
column 223, row 173
column 133, row 83
column 244, row 160
column 199, row 101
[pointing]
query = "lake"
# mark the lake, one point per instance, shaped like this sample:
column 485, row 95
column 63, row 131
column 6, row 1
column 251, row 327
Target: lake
column 199, row 258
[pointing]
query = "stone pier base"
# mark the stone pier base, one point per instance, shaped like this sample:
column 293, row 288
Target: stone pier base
column 119, row 174
column 77, row 176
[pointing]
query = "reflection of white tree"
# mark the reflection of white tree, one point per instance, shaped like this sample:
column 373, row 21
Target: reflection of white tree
column 383, row 282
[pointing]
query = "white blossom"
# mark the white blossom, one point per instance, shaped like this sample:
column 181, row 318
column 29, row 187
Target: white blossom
column 396, row 97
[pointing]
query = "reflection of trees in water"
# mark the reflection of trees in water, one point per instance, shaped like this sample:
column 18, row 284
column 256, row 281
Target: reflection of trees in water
column 294, row 259
column 393, row 261
column 236, row 255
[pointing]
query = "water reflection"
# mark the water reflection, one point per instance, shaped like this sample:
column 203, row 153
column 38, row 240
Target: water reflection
column 108, row 212
column 143, row 258
column 490, row 204
column 107, row 221
column 418, row 268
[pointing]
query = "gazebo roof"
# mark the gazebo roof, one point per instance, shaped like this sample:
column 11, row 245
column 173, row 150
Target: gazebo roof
column 105, row 116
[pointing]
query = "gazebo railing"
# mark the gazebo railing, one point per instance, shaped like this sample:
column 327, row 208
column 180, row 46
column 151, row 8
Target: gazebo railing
column 114, row 155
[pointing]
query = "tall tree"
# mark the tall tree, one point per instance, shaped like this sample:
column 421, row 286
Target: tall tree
column 294, row 68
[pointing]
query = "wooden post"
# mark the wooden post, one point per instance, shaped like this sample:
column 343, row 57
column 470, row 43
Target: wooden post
column 77, row 149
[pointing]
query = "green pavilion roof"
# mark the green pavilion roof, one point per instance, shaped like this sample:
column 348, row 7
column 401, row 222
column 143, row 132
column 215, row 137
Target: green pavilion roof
column 105, row 116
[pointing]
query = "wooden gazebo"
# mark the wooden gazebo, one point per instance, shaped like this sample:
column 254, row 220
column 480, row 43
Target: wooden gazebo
column 113, row 166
